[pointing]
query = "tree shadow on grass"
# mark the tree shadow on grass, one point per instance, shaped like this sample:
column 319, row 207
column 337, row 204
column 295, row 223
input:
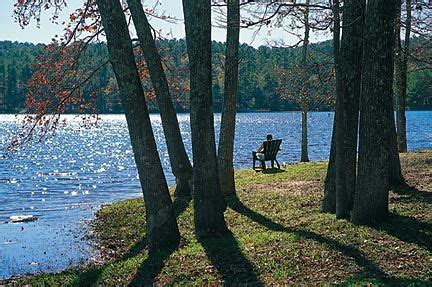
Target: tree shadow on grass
column 155, row 262
column 272, row 170
column 223, row 252
column 405, row 228
column 408, row 229
column 370, row 269
column 88, row 278
column 412, row 194
column 226, row 256
column 149, row 269
column 146, row 272
column 359, row 280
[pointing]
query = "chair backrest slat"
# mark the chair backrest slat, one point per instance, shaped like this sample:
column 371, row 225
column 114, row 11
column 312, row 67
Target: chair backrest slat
column 271, row 148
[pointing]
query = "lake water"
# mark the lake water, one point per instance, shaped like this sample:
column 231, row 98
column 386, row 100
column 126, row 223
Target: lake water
column 65, row 180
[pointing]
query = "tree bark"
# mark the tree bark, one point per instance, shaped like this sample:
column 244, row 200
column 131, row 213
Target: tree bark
column 162, row 229
column 329, row 200
column 209, row 204
column 401, row 72
column 372, row 187
column 395, row 171
column 304, row 92
column 304, row 145
column 228, row 121
column 347, row 105
column 180, row 164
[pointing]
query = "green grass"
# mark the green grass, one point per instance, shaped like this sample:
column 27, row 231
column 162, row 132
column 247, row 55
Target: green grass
column 279, row 236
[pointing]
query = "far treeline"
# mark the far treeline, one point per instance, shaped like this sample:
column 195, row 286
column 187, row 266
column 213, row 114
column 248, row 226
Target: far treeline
column 262, row 85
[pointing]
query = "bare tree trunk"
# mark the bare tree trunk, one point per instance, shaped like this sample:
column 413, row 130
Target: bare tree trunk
column 329, row 200
column 180, row 164
column 372, row 187
column 162, row 230
column 304, row 146
column 227, row 129
column 304, row 92
column 347, row 105
column 401, row 71
column 209, row 204
column 395, row 171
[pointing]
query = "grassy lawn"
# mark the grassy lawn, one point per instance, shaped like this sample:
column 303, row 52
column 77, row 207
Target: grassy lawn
column 278, row 237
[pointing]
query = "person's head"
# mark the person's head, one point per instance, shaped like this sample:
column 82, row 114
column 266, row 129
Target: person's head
column 269, row 137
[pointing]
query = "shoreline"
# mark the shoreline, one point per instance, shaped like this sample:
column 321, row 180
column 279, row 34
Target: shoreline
column 120, row 249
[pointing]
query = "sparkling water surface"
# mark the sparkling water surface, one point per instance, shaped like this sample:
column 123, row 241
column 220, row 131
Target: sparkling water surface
column 64, row 181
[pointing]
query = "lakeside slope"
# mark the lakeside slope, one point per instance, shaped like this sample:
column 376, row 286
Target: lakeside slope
column 279, row 236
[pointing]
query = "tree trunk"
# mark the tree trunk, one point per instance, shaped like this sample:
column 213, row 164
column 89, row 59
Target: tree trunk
column 372, row 187
column 304, row 145
column 401, row 71
column 329, row 200
column 162, row 229
column 180, row 164
column 304, row 92
column 228, row 121
column 347, row 105
column 395, row 171
column 209, row 204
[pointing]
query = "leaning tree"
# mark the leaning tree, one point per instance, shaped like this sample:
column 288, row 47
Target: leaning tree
column 180, row 164
column 63, row 65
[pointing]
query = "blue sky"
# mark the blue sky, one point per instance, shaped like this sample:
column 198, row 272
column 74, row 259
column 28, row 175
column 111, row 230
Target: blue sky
column 10, row 30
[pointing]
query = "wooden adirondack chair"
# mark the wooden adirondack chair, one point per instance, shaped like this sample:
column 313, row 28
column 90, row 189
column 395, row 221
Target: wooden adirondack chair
column 271, row 149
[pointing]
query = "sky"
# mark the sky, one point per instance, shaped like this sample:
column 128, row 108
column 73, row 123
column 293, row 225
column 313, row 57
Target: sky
column 10, row 30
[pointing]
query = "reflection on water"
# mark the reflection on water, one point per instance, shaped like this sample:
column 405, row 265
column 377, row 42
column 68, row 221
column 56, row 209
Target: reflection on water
column 63, row 181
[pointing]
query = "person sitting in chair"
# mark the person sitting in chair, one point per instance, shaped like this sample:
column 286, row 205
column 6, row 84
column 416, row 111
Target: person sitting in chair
column 259, row 153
